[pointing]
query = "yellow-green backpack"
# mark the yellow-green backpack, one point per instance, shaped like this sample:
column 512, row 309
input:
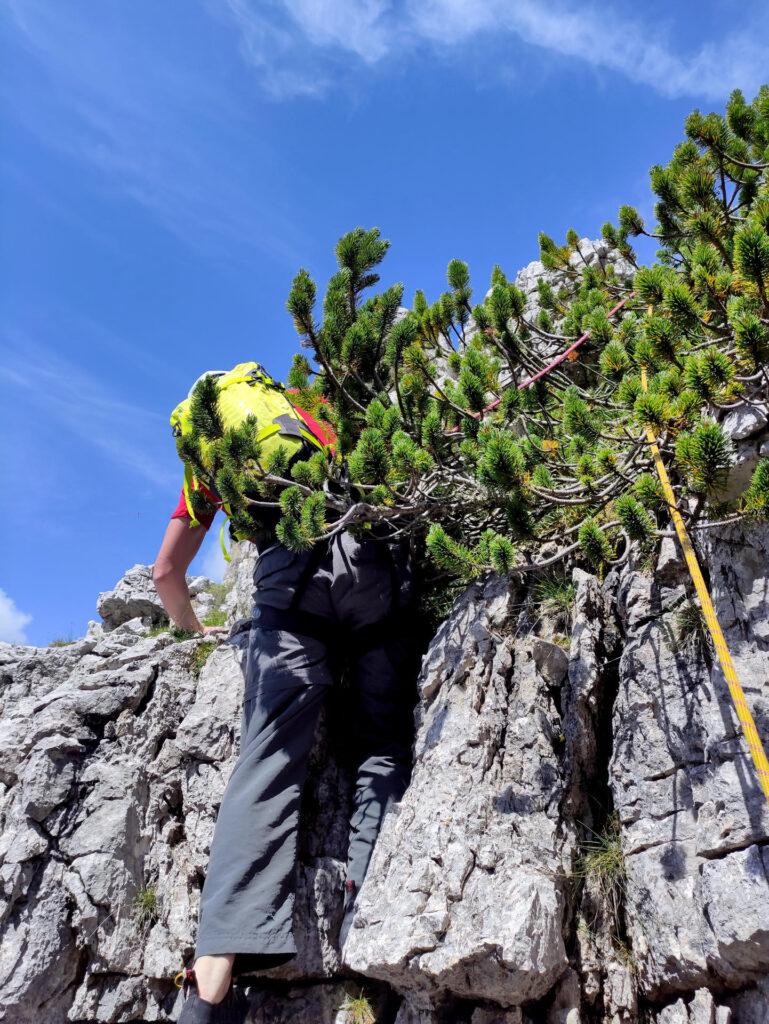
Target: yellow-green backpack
column 246, row 390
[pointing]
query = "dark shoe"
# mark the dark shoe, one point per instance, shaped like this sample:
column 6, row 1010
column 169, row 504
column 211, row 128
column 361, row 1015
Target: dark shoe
column 350, row 892
column 348, row 910
column 233, row 1009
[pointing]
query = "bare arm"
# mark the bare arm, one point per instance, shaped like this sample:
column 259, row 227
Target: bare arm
column 180, row 545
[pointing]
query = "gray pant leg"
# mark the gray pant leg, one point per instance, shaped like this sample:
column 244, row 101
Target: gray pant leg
column 383, row 695
column 248, row 895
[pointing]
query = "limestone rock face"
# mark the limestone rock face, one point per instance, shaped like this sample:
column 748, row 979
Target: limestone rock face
column 475, row 852
column 135, row 597
column 695, row 825
column 116, row 749
column 114, row 754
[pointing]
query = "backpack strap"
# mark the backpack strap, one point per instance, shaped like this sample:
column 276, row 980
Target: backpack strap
column 190, row 484
column 222, row 545
column 289, row 426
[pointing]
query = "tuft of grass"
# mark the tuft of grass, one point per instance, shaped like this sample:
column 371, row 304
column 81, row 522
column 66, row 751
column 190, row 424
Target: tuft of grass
column 218, row 616
column 175, row 631
column 555, row 593
column 62, row 641
column 220, row 592
column 436, row 599
column 182, row 634
column 691, row 636
column 162, row 627
column 145, row 906
column 358, row 1010
column 625, row 955
column 199, row 656
column 602, row 861
column 647, row 562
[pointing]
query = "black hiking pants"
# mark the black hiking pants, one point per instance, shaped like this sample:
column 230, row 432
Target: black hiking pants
column 342, row 605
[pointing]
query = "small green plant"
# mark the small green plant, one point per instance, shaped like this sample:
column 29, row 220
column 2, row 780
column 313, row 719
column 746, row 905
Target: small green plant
column 217, row 616
column 625, row 955
column 647, row 562
column 555, row 593
column 358, row 1010
column 176, row 632
column 602, row 861
column 145, row 906
column 584, row 933
column 200, row 656
column 220, row 592
column 62, row 641
column 438, row 599
column 690, row 636
column 160, row 628
column 182, row 634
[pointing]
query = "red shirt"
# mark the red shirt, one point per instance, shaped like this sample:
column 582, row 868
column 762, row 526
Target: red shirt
column 325, row 433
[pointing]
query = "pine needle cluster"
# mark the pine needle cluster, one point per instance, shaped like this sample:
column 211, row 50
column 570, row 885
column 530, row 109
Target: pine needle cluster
column 441, row 431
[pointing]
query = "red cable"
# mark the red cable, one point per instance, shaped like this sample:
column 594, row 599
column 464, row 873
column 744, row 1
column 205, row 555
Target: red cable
column 556, row 362
column 559, row 359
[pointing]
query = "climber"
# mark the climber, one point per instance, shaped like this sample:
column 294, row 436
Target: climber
column 343, row 606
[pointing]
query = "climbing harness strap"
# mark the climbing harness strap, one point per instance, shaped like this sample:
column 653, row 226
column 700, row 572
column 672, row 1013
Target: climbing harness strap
column 185, row 974
column 749, row 730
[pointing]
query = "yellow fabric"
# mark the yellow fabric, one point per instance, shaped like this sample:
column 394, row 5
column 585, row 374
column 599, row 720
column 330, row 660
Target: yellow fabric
column 246, row 390
column 189, row 484
column 223, row 546
column 744, row 715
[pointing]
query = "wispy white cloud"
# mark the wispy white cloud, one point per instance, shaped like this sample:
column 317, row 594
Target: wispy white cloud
column 291, row 44
column 41, row 382
column 602, row 38
column 270, row 49
column 13, row 621
column 360, row 26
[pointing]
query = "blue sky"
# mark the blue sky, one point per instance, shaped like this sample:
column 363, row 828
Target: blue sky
column 167, row 167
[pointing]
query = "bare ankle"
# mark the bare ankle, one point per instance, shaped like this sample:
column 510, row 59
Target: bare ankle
column 212, row 975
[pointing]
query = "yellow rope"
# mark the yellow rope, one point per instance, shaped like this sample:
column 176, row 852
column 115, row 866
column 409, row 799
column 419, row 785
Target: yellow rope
column 714, row 626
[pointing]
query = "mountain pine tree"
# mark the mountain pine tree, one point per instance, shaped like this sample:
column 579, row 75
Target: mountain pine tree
column 440, row 430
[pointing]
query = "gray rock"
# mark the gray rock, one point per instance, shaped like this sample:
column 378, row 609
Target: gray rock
column 238, row 578
column 484, row 1016
column 476, row 916
column 744, row 421
column 745, row 459
column 134, row 596
column 551, row 660
column 682, row 779
column 701, row 1009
